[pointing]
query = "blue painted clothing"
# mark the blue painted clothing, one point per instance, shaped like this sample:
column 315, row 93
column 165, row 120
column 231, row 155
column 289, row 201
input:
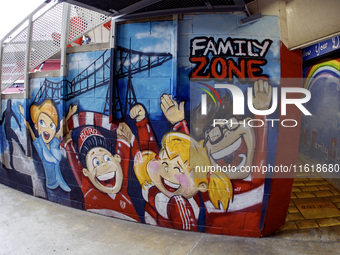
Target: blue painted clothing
column 50, row 159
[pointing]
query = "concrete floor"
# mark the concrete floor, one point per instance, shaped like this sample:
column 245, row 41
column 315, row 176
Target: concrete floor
column 30, row 225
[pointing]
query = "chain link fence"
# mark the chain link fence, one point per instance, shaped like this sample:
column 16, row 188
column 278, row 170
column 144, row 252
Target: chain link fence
column 45, row 40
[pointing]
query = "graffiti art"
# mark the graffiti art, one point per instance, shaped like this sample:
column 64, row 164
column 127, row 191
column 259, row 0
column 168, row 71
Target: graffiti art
column 135, row 140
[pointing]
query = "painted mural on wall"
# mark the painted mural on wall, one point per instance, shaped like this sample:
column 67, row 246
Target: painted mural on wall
column 243, row 62
column 141, row 164
column 320, row 134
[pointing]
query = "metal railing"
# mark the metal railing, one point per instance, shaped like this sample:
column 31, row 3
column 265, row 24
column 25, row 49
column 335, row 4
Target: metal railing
column 41, row 35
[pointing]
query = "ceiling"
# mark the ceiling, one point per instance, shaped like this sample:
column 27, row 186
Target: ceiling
column 130, row 9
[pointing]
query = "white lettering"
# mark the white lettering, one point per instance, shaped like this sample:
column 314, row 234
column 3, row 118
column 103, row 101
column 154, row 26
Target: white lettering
column 297, row 101
column 210, row 47
column 195, row 45
column 225, row 47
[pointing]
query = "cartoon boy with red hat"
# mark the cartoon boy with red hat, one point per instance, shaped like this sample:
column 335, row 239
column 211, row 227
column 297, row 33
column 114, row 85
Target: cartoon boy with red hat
column 100, row 166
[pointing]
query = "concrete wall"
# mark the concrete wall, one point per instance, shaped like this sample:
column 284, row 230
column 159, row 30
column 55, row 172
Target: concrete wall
column 148, row 162
column 302, row 22
column 311, row 20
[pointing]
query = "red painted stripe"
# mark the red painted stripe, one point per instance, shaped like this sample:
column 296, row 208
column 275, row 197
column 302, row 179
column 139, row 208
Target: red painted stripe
column 213, row 90
column 98, row 119
column 82, row 119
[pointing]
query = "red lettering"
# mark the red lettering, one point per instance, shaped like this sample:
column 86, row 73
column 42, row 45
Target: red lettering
column 223, row 68
column 314, row 134
column 235, row 71
column 303, row 135
column 254, row 70
column 332, row 151
column 198, row 70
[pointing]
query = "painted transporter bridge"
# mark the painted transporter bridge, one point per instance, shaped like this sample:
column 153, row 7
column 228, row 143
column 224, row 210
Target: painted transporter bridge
column 132, row 151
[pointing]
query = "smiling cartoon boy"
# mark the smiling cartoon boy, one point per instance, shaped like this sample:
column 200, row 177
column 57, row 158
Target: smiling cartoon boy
column 239, row 146
column 101, row 165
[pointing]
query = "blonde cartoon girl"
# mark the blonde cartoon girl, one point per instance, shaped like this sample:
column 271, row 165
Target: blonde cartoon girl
column 45, row 120
column 173, row 171
column 174, row 191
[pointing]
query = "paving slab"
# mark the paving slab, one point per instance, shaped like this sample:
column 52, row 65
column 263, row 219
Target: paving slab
column 30, row 225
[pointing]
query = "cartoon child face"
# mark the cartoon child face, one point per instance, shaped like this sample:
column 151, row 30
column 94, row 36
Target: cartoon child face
column 46, row 127
column 104, row 170
column 231, row 145
column 172, row 177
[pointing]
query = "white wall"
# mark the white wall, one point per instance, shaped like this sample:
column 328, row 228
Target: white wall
column 303, row 21
column 309, row 20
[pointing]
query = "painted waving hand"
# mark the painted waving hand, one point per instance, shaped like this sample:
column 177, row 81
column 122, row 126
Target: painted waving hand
column 173, row 111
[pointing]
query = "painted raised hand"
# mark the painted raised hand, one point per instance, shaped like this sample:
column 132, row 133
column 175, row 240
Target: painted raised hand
column 124, row 132
column 138, row 112
column 173, row 111
column 262, row 95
